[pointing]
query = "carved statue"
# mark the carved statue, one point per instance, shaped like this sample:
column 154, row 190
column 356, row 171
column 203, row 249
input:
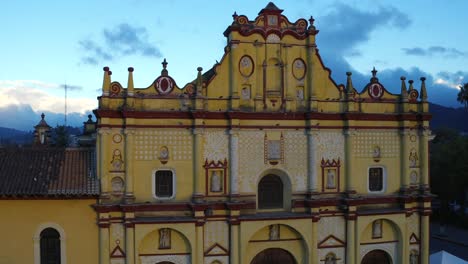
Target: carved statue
column 274, row 232
column 164, row 238
column 331, row 179
column 413, row 158
column 377, row 229
column 376, row 153
column 330, row 259
column 216, row 182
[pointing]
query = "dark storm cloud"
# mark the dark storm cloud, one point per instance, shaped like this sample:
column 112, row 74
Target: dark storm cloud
column 434, row 51
column 121, row 40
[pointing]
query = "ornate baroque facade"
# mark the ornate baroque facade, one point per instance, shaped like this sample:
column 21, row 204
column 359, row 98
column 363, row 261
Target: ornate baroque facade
column 263, row 158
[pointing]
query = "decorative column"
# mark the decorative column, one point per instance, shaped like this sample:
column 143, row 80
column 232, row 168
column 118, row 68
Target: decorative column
column 234, row 161
column 312, row 94
column 197, row 163
column 129, row 143
column 424, row 158
column 404, row 160
column 199, row 246
column 234, row 243
column 102, row 154
column 351, row 239
column 350, row 185
column 314, row 241
column 312, row 160
column 129, row 239
column 103, row 225
column 424, row 238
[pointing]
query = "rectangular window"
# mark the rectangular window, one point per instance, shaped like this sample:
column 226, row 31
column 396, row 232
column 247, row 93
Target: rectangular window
column 164, row 183
column 375, row 179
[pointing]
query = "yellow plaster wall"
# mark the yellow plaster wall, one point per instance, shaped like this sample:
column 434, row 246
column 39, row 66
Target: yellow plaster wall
column 21, row 219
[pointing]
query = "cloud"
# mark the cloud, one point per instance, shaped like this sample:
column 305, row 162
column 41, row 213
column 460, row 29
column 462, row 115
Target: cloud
column 31, row 92
column 122, row 40
column 345, row 26
column 434, row 51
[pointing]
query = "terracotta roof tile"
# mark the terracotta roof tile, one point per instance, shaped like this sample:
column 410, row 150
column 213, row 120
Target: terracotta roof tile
column 48, row 172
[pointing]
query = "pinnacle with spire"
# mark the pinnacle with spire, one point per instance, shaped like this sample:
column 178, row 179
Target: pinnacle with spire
column 423, row 93
column 164, row 70
column 374, row 78
column 403, row 91
column 349, row 84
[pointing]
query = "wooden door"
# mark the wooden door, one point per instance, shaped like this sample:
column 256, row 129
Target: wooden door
column 376, row 257
column 274, row 256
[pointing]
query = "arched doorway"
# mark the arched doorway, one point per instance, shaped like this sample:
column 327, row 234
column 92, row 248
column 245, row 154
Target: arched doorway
column 274, row 256
column 270, row 192
column 376, row 257
column 50, row 246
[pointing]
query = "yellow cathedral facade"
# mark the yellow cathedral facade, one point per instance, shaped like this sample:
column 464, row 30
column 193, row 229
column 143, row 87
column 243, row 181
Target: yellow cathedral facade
column 261, row 159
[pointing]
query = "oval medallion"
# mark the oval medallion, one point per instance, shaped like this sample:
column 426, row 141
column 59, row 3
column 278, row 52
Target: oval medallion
column 246, row 66
column 298, row 69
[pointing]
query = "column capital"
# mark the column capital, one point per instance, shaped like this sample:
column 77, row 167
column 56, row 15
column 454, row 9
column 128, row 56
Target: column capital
column 103, row 131
column 313, row 132
column 129, row 131
column 234, row 132
column 198, row 131
column 350, row 132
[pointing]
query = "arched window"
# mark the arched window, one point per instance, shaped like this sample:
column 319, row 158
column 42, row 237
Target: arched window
column 270, row 192
column 273, row 77
column 50, row 246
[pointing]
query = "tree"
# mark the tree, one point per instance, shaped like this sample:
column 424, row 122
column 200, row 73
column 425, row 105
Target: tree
column 462, row 96
column 60, row 136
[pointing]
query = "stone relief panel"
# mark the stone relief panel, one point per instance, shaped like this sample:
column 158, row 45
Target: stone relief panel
column 329, row 145
column 390, row 248
column 365, row 142
column 216, row 232
column 295, row 147
column 331, row 226
column 339, row 253
column 177, row 259
column 148, row 144
column 216, row 145
column 251, row 159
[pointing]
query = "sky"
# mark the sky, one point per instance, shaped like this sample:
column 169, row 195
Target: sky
column 48, row 44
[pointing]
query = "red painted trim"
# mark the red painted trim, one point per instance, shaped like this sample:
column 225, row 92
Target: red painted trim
column 262, row 115
column 275, row 240
column 46, row 197
column 381, row 242
column 226, row 252
column 320, row 244
column 167, row 254
column 116, row 250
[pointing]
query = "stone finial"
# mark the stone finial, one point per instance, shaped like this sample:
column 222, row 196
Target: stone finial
column 374, row 78
column 130, row 85
column 311, row 23
column 42, row 116
column 423, row 93
column 164, row 71
column 404, row 92
column 349, row 83
column 106, row 81
column 234, row 16
column 199, row 80
column 411, row 85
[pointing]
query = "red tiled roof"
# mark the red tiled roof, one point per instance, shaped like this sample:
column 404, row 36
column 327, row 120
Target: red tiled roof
column 48, row 172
